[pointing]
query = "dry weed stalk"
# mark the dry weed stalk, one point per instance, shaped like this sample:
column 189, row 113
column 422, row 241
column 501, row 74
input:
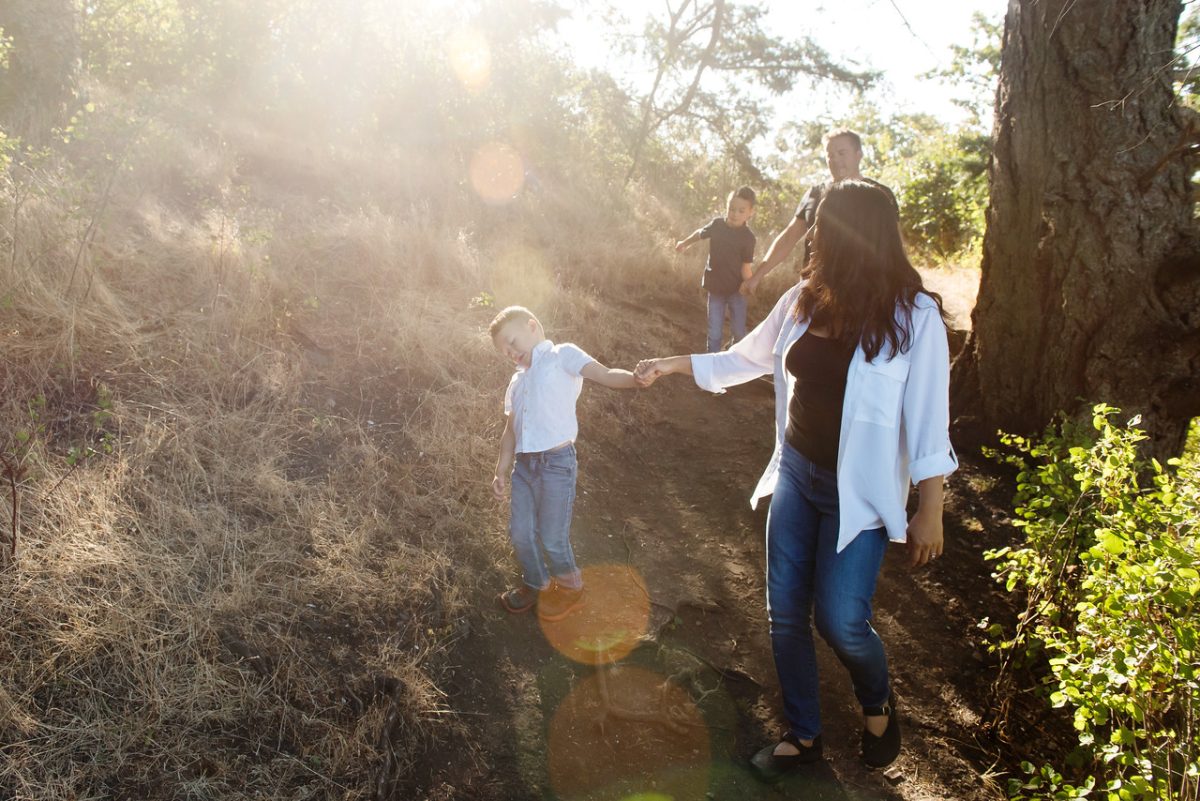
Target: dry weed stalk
column 13, row 472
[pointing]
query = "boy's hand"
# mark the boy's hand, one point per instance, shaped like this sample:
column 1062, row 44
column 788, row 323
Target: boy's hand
column 748, row 286
column 681, row 246
column 499, row 487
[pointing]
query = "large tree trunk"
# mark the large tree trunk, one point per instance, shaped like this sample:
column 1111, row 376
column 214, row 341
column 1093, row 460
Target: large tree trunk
column 1090, row 285
column 43, row 63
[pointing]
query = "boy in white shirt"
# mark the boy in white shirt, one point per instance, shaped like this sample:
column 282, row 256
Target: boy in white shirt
column 538, row 451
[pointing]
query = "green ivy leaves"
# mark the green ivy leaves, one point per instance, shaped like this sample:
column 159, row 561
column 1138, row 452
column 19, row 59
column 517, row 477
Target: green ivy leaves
column 1110, row 569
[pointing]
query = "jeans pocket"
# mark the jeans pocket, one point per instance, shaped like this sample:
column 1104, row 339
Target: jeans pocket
column 559, row 469
column 561, row 463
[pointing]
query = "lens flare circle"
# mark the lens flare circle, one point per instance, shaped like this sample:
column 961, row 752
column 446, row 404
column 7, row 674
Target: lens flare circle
column 614, row 618
column 497, row 173
column 628, row 733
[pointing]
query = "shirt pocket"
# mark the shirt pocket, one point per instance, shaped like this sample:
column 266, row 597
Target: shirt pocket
column 881, row 391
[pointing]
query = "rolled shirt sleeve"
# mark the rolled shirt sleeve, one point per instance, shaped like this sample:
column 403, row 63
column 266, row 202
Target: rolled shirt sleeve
column 926, row 404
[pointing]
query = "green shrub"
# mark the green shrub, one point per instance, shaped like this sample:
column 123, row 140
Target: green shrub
column 943, row 193
column 1191, row 446
column 1110, row 569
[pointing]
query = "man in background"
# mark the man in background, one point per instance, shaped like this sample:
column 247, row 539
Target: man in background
column 843, row 154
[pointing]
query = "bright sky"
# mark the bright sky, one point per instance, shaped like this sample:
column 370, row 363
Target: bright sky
column 869, row 33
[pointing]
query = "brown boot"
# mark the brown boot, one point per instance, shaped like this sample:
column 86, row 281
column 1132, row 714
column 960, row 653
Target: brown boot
column 518, row 600
column 558, row 602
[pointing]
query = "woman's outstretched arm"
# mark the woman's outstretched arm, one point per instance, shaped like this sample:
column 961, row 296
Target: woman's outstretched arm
column 649, row 370
column 747, row 359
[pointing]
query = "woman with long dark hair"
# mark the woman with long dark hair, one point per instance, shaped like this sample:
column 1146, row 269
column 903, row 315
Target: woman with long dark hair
column 860, row 359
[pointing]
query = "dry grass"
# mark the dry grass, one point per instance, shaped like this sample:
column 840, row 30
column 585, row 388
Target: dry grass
column 254, row 586
column 958, row 284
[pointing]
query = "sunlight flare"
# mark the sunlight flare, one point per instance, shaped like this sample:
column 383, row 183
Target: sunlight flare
column 497, row 173
column 470, row 58
column 629, row 733
column 614, row 619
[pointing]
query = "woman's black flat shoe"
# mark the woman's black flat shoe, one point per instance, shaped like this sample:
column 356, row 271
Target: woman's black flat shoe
column 771, row 767
column 882, row 750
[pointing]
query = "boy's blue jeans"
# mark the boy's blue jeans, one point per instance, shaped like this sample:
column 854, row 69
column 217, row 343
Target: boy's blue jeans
column 543, row 498
column 807, row 578
column 717, row 304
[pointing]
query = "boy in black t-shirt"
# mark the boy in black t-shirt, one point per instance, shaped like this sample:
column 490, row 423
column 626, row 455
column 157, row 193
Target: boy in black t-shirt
column 730, row 261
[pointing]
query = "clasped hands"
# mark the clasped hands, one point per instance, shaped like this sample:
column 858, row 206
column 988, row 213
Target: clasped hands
column 648, row 371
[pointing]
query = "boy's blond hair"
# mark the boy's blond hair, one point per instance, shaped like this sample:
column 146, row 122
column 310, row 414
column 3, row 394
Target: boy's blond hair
column 509, row 314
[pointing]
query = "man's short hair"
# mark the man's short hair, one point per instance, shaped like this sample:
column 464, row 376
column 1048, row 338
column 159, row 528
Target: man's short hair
column 745, row 193
column 506, row 316
column 851, row 135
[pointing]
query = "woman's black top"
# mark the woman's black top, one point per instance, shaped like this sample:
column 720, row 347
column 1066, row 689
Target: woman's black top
column 814, row 424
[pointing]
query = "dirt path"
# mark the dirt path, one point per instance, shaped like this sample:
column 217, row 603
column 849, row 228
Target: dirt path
column 674, row 562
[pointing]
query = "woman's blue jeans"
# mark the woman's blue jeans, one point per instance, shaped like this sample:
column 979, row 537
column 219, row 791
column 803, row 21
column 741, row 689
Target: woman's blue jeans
column 543, row 499
column 807, row 580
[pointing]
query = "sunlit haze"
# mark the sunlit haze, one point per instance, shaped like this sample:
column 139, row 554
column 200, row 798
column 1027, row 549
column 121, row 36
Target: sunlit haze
column 870, row 34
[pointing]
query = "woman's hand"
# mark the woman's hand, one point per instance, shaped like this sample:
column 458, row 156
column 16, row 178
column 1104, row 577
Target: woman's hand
column 924, row 538
column 925, row 529
column 648, row 371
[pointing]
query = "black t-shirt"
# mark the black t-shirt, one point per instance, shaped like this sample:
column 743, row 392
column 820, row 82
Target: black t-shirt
column 820, row 365
column 728, row 249
column 807, row 210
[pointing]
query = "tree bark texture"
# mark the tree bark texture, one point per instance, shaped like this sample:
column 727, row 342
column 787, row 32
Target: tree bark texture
column 1090, row 284
column 43, row 64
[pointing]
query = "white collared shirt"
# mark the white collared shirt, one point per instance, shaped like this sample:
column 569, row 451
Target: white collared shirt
column 541, row 399
column 895, row 414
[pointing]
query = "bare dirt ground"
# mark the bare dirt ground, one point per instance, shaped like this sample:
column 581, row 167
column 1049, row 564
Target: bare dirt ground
column 663, row 685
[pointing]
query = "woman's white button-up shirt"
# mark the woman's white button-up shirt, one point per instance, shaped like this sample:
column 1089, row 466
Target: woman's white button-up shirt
column 895, row 415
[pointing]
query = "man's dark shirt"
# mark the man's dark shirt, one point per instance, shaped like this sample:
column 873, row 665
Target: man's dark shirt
column 728, row 249
column 807, row 210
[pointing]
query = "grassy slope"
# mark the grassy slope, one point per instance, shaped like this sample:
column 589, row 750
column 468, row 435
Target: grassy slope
column 254, row 586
